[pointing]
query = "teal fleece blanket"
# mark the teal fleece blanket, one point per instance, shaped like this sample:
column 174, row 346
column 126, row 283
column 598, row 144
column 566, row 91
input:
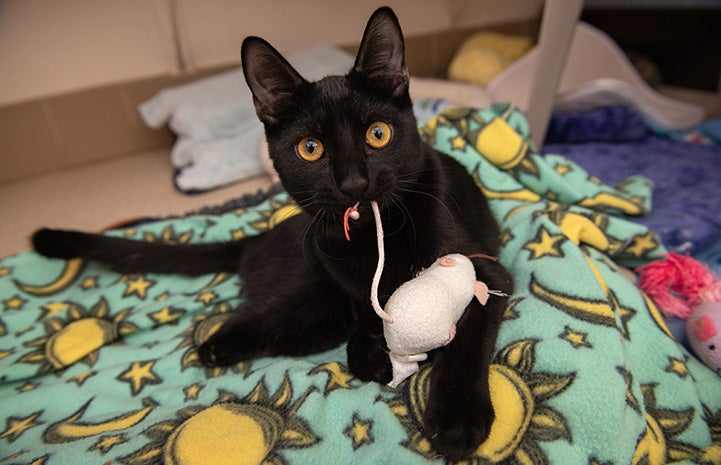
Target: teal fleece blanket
column 98, row 367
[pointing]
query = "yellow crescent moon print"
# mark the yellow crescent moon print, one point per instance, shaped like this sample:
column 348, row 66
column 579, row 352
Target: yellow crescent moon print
column 607, row 201
column 73, row 429
column 521, row 194
column 519, row 398
column 657, row 316
column 279, row 211
column 594, row 311
column 198, row 435
column 72, row 270
column 598, row 312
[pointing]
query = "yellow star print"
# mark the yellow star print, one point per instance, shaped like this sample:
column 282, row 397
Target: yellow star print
column 359, row 431
column 192, row 391
column 678, row 367
column 106, row 443
column 81, row 378
column 458, row 143
column 206, row 297
column 545, row 244
column 139, row 374
column 562, row 169
column 91, row 282
column 5, row 271
column 16, row 426
column 338, row 376
column 642, row 244
column 167, row 315
column 14, row 303
column 575, row 338
column 138, row 285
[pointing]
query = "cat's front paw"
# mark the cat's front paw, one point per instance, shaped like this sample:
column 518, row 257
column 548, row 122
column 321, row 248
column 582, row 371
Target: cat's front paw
column 457, row 424
column 368, row 358
column 221, row 350
column 212, row 355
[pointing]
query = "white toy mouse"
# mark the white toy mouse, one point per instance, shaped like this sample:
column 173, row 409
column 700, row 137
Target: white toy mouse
column 421, row 315
column 425, row 311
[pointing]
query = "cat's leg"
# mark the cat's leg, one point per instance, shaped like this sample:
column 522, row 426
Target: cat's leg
column 459, row 413
column 291, row 309
column 300, row 322
column 367, row 353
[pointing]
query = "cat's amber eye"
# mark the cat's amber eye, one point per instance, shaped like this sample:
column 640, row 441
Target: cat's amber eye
column 379, row 134
column 309, row 149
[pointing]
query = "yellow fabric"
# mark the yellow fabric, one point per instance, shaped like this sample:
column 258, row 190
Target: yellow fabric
column 485, row 55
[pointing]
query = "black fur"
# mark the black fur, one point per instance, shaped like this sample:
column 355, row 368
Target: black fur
column 308, row 288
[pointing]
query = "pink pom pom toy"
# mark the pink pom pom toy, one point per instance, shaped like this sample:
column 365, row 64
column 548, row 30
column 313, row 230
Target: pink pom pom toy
column 685, row 288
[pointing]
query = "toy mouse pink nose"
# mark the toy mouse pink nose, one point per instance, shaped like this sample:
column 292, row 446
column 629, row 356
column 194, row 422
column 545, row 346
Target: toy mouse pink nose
column 447, row 262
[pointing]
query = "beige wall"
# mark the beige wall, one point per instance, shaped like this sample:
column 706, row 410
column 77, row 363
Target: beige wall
column 74, row 71
column 49, row 47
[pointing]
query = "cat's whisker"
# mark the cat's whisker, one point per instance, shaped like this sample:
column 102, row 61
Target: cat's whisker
column 441, row 202
column 419, row 184
column 409, row 174
column 304, row 231
column 407, row 217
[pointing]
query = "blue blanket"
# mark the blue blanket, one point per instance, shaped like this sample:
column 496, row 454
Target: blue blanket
column 615, row 143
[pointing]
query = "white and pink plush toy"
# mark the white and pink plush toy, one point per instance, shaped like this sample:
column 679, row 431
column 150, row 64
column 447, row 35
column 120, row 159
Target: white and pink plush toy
column 425, row 310
column 421, row 315
column 703, row 329
column 685, row 288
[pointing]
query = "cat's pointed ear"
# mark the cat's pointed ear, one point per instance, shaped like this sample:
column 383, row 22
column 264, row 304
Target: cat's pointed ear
column 271, row 79
column 381, row 56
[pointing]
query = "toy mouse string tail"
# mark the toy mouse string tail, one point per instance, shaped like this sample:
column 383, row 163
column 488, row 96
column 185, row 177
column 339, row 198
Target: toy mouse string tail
column 379, row 269
column 482, row 255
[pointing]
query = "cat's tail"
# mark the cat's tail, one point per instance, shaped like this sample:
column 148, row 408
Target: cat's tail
column 130, row 256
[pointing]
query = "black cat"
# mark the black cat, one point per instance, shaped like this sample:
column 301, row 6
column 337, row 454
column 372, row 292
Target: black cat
column 335, row 142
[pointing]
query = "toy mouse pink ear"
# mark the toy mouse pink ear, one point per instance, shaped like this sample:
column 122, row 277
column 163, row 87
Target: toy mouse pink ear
column 704, row 328
column 481, row 292
column 447, row 262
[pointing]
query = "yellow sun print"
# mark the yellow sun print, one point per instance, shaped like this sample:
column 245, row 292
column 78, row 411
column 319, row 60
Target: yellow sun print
column 260, row 425
column 77, row 337
column 518, row 394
